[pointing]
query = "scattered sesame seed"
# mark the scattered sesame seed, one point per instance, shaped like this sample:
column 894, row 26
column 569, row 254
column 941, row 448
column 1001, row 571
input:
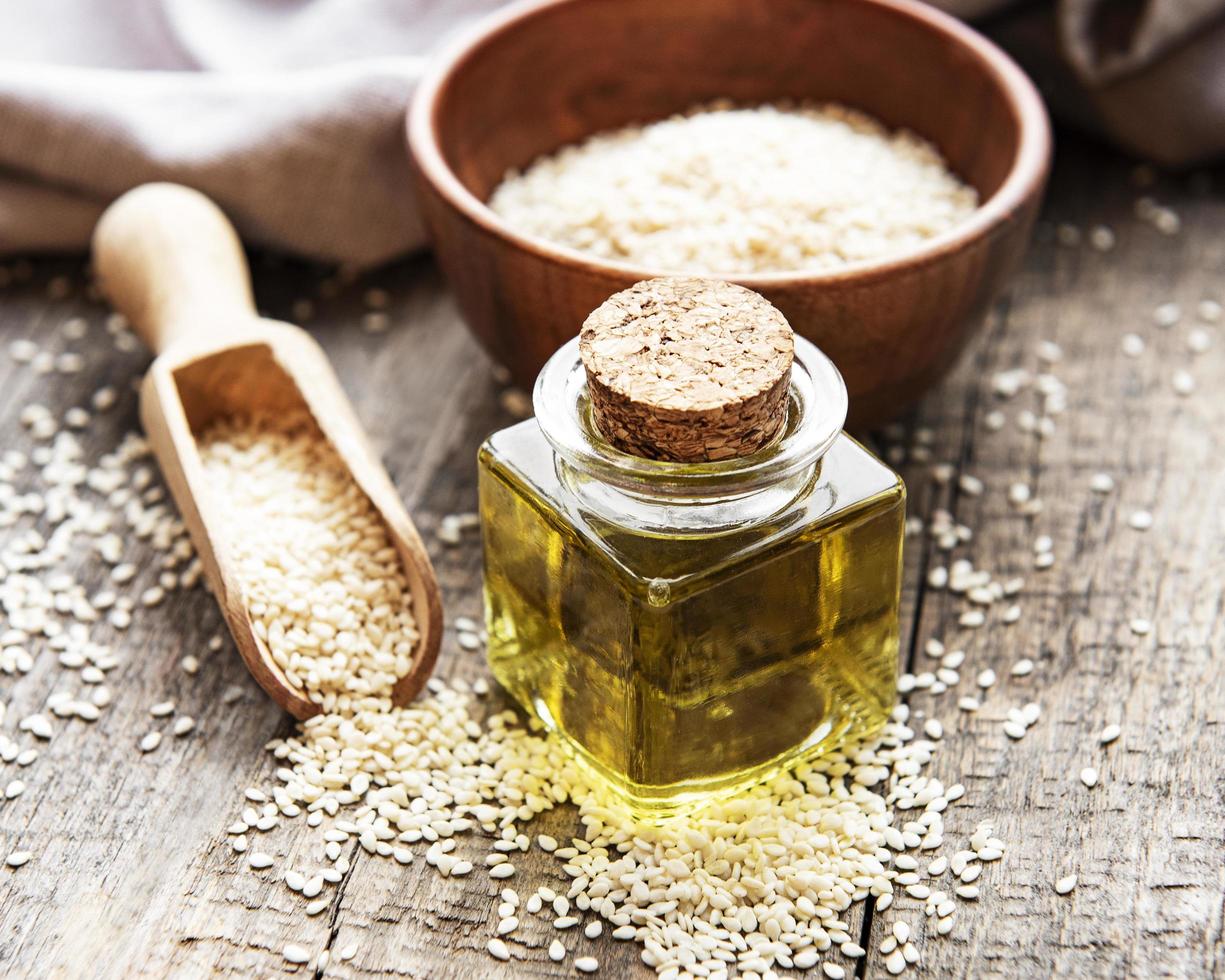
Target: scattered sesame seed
column 497, row 949
column 586, row 964
column 294, row 953
column 1109, row 734
column 1102, row 238
column 1167, row 314
column 150, row 741
column 18, row 858
column 1132, row 344
column 1199, row 340
column 1140, row 520
column 1065, row 884
column 1088, row 776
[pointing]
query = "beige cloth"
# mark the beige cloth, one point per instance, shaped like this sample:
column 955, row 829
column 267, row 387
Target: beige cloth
column 290, row 112
column 1147, row 74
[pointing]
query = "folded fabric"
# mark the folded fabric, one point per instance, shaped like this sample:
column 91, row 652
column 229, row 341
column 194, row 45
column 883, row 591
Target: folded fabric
column 290, row 114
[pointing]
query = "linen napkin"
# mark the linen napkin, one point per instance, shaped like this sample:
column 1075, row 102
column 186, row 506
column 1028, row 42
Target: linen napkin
column 289, row 113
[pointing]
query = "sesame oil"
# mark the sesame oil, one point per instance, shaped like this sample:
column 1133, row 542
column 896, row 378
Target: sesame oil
column 696, row 584
column 681, row 665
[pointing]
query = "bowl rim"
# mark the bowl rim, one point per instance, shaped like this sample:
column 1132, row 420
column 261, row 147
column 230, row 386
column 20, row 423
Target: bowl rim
column 1027, row 174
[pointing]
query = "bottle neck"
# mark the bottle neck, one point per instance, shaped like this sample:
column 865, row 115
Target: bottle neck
column 705, row 498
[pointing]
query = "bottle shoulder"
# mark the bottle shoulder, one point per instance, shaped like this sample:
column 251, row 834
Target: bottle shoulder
column 851, row 485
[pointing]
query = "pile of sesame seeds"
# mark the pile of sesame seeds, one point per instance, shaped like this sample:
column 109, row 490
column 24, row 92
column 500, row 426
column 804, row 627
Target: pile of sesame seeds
column 750, row 885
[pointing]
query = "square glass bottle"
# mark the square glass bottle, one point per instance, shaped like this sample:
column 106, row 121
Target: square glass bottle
column 691, row 628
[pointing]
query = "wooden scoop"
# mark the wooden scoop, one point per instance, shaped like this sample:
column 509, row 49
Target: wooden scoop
column 167, row 258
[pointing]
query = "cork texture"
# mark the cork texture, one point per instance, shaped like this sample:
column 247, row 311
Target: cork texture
column 686, row 369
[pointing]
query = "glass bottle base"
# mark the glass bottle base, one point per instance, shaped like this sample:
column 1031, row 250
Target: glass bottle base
column 658, row 803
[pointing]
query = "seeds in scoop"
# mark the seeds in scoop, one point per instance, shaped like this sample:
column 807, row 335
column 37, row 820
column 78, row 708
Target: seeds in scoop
column 286, row 493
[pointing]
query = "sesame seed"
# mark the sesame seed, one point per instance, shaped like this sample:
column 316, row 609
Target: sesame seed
column 1065, row 884
column 18, row 858
column 557, row 952
column 1102, row 238
column 293, row 953
column 497, row 949
column 1199, row 340
column 586, row 964
column 1088, row 776
column 1140, row 520
column 1101, row 483
column 1109, row 734
column 150, row 741
column 1167, row 314
column 1132, row 344
column 1141, row 627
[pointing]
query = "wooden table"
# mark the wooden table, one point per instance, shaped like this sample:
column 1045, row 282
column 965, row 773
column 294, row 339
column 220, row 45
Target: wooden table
column 132, row 873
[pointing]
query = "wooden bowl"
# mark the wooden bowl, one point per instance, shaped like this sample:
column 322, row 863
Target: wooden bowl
column 552, row 72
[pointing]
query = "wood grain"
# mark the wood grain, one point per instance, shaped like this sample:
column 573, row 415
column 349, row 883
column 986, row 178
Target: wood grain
column 132, row 875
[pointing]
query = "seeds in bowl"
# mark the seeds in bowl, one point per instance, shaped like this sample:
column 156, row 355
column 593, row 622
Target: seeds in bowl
column 772, row 188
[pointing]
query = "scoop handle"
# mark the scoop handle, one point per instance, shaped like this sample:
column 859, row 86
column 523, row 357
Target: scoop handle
column 169, row 260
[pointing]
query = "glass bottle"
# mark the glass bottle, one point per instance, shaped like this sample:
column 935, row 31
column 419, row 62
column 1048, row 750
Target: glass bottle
column 691, row 628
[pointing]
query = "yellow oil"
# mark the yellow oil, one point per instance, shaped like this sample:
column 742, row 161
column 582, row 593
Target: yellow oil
column 680, row 666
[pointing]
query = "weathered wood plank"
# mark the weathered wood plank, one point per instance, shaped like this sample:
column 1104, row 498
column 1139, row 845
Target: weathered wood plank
column 133, row 874
column 1146, row 842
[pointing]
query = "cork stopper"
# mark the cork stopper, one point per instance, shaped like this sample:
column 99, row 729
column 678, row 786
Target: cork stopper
column 688, row 370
